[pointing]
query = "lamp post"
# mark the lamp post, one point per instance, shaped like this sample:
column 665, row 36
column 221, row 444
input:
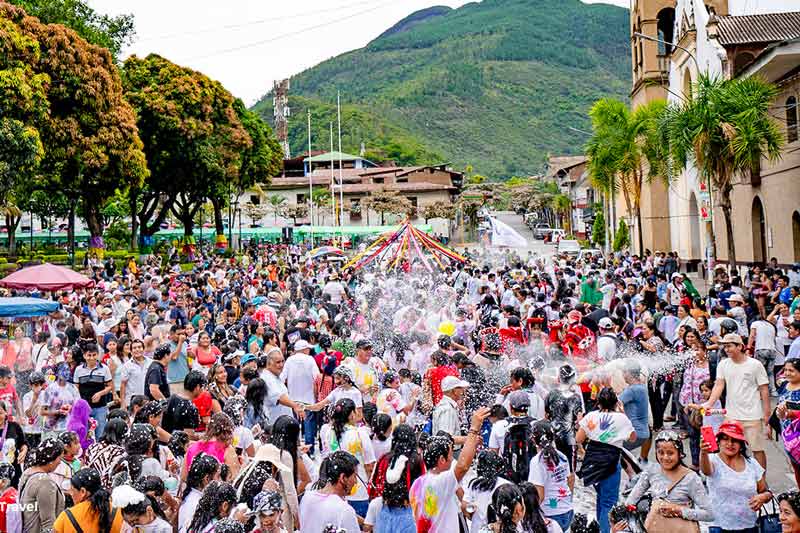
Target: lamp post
column 679, row 47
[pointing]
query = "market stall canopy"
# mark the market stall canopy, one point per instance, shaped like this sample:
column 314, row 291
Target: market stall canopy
column 46, row 277
column 19, row 307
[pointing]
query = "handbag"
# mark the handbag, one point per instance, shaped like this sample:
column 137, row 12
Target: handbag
column 655, row 521
column 791, row 439
column 769, row 522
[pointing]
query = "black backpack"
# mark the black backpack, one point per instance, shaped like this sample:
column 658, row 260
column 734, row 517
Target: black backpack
column 518, row 448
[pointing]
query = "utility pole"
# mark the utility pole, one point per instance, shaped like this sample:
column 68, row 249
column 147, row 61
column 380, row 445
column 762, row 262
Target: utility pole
column 310, row 184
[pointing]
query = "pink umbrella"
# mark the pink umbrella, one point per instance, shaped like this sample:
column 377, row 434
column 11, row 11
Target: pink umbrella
column 46, row 277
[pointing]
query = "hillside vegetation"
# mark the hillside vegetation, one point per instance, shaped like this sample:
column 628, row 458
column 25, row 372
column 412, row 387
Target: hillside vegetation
column 494, row 84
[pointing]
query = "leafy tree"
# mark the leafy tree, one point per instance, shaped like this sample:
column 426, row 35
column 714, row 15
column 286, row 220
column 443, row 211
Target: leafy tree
column 476, row 179
column 384, row 202
column 625, row 151
column 294, row 212
column 255, row 212
column 622, row 239
column 48, row 205
column 276, row 203
column 439, row 209
column 724, row 128
column 599, row 228
column 109, row 32
column 90, row 135
column 193, row 138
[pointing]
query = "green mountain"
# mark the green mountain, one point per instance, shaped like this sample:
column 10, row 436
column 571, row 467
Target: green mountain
column 495, row 84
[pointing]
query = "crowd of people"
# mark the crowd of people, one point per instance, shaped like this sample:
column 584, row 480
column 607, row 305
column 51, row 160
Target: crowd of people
column 275, row 393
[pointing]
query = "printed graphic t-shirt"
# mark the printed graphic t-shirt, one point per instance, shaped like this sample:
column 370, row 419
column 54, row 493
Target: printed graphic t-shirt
column 433, row 500
column 606, row 427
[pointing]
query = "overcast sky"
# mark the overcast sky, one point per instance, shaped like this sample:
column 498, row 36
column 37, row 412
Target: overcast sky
column 246, row 44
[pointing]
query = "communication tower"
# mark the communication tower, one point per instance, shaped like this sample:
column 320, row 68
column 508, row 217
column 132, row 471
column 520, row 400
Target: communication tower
column 281, row 113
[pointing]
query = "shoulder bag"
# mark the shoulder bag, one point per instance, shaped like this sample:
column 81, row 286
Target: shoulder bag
column 657, row 522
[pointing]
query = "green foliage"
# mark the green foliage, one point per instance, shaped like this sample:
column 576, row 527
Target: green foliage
column 118, row 231
column 599, row 229
column 92, row 147
column 103, row 30
column 383, row 202
column 493, row 83
column 622, row 238
column 725, row 128
column 439, row 209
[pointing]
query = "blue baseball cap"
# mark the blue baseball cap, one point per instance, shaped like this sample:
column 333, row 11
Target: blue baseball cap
column 247, row 358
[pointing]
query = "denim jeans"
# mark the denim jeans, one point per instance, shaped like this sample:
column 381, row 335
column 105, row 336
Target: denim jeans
column 607, row 494
column 563, row 520
column 310, row 429
column 100, row 414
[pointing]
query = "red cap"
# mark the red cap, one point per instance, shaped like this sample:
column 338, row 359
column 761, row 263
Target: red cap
column 732, row 429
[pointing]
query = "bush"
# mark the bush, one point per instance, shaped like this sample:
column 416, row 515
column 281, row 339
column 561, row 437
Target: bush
column 622, row 239
column 3, row 260
column 599, row 229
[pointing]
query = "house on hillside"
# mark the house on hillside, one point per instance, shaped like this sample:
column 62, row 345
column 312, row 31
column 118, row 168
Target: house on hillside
column 421, row 185
column 572, row 177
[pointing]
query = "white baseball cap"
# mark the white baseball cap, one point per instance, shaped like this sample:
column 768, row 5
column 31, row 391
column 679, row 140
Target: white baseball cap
column 302, row 345
column 451, row 382
column 605, row 323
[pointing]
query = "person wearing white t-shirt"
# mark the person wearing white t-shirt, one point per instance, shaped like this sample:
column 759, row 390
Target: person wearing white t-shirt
column 762, row 344
column 607, row 340
column 334, row 289
column 478, row 493
column 550, row 473
column 745, row 381
column 325, row 506
column 433, row 495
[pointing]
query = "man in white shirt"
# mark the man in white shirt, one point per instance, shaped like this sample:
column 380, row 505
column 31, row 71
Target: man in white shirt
column 794, row 334
column 745, row 381
column 607, row 340
column 761, row 344
column 299, row 373
column 327, row 506
column 133, row 374
column 278, row 401
column 334, row 289
column 445, row 415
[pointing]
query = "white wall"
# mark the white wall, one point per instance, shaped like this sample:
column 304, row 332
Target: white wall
column 757, row 7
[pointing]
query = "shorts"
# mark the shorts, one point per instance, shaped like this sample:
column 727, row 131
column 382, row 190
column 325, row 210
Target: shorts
column 754, row 433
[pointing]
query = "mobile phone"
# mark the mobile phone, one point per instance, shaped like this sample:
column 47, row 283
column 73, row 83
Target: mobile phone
column 707, row 434
column 792, row 406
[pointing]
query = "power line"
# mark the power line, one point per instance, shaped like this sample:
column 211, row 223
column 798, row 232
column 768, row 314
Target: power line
column 252, row 23
column 290, row 34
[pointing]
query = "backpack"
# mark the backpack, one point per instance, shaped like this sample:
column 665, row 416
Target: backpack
column 518, row 448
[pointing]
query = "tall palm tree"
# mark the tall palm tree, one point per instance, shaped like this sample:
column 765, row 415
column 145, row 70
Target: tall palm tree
column 276, row 203
column 724, row 128
column 625, row 151
column 563, row 206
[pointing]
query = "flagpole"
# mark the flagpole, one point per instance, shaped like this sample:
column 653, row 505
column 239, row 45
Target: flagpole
column 333, row 182
column 341, row 188
column 310, row 184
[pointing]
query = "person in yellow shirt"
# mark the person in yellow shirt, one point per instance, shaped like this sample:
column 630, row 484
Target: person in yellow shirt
column 92, row 512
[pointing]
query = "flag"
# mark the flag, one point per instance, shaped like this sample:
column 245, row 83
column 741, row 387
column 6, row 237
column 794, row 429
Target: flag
column 505, row 235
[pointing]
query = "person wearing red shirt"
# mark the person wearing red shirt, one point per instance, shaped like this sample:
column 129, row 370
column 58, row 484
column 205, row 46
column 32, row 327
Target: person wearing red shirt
column 432, row 382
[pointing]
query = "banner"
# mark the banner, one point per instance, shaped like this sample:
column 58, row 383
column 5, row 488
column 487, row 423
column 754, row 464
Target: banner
column 505, row 235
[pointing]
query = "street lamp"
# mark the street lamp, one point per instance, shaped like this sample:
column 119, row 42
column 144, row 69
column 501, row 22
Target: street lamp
column 657, row 40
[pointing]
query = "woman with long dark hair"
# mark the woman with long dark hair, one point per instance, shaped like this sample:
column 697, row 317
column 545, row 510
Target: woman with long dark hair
column 218, row 442
column 139, row 510
column 506, row 511
column 256, row 412
column 92, row 509
column 342, row 434
column 203, row 471
column 216, row 503
column 550, row 474
column 104, row 454
column 404, row 445
column 490, row 470
column 284, row 436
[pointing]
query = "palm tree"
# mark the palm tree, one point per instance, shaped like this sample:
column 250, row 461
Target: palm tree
column 724, row 129
column 276, row 203
column 625, row 151
column 563, row 206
